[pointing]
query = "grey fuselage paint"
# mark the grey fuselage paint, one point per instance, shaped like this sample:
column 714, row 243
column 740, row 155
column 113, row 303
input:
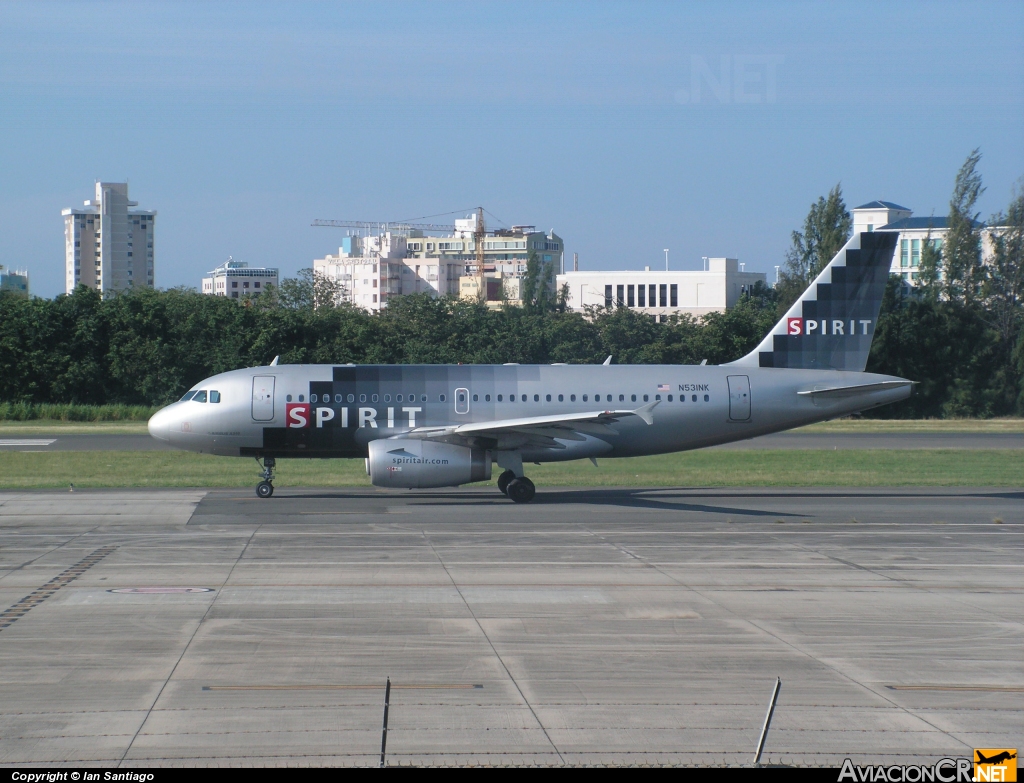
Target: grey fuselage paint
column 356, row 404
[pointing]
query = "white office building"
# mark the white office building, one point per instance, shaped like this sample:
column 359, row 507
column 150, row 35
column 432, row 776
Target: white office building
column 14, row 281
column 108, row 245
column 914, row 233
column 235, row 279
column 662, row 293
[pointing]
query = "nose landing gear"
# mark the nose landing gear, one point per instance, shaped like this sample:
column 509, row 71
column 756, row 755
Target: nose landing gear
column 266, row 487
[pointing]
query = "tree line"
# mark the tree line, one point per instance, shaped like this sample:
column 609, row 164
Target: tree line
column 958, row 333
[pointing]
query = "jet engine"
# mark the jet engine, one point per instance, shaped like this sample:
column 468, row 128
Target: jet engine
column 418, row 464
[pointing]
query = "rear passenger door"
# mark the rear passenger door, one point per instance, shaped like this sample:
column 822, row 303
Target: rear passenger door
column 739, row 398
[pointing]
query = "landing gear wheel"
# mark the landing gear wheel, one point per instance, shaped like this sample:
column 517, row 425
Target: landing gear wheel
column 504, row 480
column 265, row 489
column 521, row 490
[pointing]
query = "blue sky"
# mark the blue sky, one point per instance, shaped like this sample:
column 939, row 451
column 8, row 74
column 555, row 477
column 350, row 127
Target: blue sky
column 627, row 127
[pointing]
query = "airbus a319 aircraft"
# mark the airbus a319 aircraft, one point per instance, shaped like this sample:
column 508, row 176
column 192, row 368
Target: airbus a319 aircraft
column 421, row 426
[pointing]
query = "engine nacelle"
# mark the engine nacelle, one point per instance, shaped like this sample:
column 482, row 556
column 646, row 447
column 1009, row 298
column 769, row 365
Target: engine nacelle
column 418, row 464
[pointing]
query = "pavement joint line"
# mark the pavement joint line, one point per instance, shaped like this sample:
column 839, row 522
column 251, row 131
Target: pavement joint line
column 40, row 594
column 966, row 688
column 337, row 687
column 49, row 551
column 798, row 650
column 177, row 663
column 916, row 585
column 494, row 650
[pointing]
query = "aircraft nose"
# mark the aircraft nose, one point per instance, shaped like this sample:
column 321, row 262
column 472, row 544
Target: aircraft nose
column 160, row 424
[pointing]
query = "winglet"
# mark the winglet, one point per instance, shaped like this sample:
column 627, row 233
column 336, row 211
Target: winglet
column 274, row 363
column 607, row 361
column 645, row 412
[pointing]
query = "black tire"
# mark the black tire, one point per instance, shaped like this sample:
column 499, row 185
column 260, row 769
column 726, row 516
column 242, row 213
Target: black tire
column 264, row 489
column 503, row 481
column 521, row 490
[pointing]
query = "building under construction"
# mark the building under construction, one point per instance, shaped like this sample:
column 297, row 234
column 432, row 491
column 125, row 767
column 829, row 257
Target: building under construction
column 377, row 261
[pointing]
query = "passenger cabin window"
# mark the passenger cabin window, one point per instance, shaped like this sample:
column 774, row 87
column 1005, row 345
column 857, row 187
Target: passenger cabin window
column 548, row 398
column 694, row 398
column 645, row 397
column 487, row 398
column 632, row 398
column 338, row 398
column 302, row 398
column 352, row 398
column 215, row 396
column 584, row 398
column 536, row 398
column 312, row 398
column 657, row 396
column 398, row 398
column 476, row 398
column 670, row 398
column 499, row 398
column 362, row 398
column 443, row 397
column 187, row 397
column 561, row 398
column 200, row 396
column 707, row 398
column 622, row 398
column 387, row 398
column 423, row 398
column 288, row 398
column 572, row 398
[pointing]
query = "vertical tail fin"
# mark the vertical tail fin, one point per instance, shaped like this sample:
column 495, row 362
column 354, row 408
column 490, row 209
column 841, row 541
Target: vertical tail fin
column 831, row 325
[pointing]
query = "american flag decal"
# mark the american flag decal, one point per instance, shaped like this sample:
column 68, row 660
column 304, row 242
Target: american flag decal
column 663, row 387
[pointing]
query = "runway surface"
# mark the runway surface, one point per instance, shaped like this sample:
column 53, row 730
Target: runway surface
column 590, row 627
column 55, row 441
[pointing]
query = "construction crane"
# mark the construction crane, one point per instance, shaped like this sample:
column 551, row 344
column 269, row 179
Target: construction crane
column 367, row 226
column 374, row 225
column 478, row 240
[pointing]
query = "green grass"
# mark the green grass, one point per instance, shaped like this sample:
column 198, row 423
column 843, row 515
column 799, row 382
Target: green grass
column 917, row 425
column 918, row 467
column 9, row 429
column 28, row 411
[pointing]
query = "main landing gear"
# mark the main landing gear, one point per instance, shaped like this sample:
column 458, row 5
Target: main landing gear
column 518, row 490
column 266, row 487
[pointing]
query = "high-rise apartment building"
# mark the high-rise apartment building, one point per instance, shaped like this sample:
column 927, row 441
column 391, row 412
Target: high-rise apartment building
column 108, row 246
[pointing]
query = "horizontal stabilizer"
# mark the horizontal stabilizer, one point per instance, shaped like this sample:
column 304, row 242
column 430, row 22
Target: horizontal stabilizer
column 850, row 391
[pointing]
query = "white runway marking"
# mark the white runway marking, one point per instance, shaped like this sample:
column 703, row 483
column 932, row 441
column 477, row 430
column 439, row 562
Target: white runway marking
column 27, row 442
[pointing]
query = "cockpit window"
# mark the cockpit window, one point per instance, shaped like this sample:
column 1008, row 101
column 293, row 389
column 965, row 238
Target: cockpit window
column 187, row 397
column 215, row 396
column 200, row 396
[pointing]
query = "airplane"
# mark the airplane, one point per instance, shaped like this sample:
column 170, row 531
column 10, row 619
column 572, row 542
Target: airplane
column 420, row 426
column 996, row 759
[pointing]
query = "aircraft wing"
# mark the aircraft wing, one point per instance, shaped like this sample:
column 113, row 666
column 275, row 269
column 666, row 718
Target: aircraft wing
column 847, row 391
column 534, row 430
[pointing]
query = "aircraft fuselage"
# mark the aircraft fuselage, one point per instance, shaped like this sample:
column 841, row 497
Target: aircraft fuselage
column 336, row 410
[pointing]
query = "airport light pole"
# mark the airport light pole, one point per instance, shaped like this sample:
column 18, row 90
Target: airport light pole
column 666, row 259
